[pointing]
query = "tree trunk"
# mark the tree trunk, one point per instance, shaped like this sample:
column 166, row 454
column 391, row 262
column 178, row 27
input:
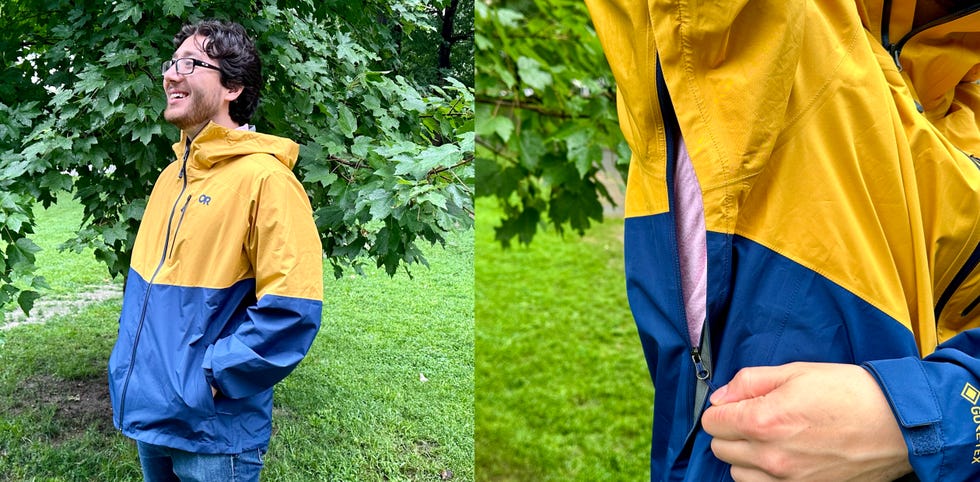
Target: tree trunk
column 446, row 46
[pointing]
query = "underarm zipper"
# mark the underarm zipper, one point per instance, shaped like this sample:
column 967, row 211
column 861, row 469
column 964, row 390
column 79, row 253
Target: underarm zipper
column 701, row 356
column 973, row 304
column 958, row 280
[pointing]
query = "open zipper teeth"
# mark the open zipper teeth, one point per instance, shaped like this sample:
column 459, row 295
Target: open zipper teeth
column 700, row 354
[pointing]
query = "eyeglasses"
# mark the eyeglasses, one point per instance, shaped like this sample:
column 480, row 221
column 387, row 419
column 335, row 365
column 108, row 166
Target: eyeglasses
column 185, row 66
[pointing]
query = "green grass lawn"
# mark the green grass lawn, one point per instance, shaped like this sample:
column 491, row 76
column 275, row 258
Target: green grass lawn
column 355, row 409
column 562, row 391
column 67, row 273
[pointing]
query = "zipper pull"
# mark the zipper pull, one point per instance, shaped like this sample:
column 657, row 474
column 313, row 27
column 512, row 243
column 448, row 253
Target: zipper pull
column 183, row 167
column 700, row 370
column 975, row 159
column 898, row 63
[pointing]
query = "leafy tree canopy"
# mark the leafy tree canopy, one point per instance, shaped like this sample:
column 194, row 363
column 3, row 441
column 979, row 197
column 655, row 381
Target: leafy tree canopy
column 386, row 159
column 545, row 107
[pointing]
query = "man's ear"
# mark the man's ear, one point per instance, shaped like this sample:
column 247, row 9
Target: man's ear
column 232, row 93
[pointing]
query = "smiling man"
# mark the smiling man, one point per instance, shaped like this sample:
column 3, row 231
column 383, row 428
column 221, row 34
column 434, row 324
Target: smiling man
column 224, row 295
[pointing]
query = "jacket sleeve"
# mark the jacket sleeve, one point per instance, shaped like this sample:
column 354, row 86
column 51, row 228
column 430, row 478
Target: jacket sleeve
column 283, row 247
column 936, row 401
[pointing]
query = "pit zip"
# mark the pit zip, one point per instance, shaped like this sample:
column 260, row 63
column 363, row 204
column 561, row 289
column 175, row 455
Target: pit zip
column 182, row 175
column 896, row 48
column 896, row 52
column 701, row 356
column 965, row 270
column 958, row 280
column 700, row 353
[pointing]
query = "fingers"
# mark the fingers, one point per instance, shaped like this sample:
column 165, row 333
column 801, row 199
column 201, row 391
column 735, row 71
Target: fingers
column 750, row 474
column 760, row 418
column 751, row 383
column 751, row 461
column 735, row 452
column 729, row 421
column 739, row 409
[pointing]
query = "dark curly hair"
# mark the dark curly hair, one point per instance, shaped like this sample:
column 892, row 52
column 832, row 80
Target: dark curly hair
column 230, row 45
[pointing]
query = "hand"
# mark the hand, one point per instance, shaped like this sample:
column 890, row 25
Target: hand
column 806, row 421
column 214, row 391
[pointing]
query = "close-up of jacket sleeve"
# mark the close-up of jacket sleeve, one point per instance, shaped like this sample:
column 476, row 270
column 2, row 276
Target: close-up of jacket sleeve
column 284, row 249
column 836, row 149
column 937, row 403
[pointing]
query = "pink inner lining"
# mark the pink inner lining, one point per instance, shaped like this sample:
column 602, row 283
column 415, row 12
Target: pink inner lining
column 692, row 243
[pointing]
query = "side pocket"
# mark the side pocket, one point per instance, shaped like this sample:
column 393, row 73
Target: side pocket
column 195, row 393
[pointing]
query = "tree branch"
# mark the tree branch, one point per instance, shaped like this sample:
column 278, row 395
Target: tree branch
column 460, row 37
column 540, row 109
column 345, row 162
column 513, row 160
column 466, row 160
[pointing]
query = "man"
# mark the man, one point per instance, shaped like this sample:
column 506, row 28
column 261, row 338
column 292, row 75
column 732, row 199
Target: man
column 805, row 187
column 223, row 298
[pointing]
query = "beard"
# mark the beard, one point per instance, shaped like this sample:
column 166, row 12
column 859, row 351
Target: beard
column 194, row 112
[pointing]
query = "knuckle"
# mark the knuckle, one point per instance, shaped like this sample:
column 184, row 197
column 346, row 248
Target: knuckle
column 767, row 420
column 743, row 376
column 757, row 424
column 776, row 463
column 718, row 448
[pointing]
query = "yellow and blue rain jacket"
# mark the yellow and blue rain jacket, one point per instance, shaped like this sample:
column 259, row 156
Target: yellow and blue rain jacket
column 225, row 290
column 837, row 153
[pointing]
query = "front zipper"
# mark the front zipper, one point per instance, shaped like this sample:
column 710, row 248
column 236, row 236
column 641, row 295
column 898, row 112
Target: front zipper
column 896, row 48
column 958, row 280
column 182, row 175
column 180, row 221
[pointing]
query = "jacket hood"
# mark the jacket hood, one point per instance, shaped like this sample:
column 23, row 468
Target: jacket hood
column 936, row 56
column 216, row 143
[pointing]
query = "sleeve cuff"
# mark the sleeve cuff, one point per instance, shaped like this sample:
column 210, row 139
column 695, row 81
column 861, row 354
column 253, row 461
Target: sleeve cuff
column 913, row 400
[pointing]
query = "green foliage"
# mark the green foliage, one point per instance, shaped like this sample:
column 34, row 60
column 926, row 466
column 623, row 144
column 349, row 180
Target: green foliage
column 546, row 115
column 387, row 160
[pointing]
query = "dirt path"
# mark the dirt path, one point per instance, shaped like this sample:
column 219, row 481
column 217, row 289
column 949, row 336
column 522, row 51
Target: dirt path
column 46, row 309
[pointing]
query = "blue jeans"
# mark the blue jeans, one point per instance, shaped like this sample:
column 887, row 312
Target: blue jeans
column 164, row 464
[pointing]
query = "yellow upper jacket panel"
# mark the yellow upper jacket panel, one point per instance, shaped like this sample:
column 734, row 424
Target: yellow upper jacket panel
column 225, row 290
column 837, row 151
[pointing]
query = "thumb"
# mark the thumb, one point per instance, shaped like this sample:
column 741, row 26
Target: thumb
column 751, row 382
